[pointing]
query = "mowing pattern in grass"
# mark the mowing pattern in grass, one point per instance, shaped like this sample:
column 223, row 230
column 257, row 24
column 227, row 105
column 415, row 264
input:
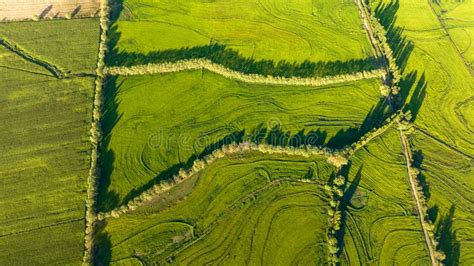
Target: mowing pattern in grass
column 380, row 220
column 71, row 45
column 144, row 144
column 265, row 29
column 440, row 90
column 44, row 160
column 242, row 209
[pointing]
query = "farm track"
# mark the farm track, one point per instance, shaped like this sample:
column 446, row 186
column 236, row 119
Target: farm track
column 198, row 64
column 413, row 182
column 406, row 150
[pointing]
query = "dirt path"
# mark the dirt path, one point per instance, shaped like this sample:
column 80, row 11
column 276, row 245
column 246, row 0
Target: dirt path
column 406, row 148
column 413, row 185
column 42, row 9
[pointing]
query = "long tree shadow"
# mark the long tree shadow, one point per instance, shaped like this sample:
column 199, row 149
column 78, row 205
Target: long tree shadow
column 417, row 162
column 374, row 118
column 401, row 47
column 349, row 189
column 235, row 137
column 447, row 239
column 102, row 245
column 107, row 200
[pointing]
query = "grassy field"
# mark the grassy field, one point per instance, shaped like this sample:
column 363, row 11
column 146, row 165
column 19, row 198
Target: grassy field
column 458, row 19
column 247, row 208
column 70, row 45
column 275, row 30
column 45, row 147
column 381, row 226
column 441, row 97
column 156, row 124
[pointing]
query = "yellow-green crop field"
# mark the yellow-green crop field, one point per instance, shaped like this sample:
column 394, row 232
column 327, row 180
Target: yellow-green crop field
column 44, row 141
column 239, row 132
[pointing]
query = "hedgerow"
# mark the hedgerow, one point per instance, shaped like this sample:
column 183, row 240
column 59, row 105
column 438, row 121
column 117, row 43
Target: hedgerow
column 201, row 63
column 335, row 193
column 220, row 54
column 415, row 172
column 95, row 135
column 58, row 73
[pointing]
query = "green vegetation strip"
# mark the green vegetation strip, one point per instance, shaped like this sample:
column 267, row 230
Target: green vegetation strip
column 249, row 78
column 95, row 136
column 59, row 74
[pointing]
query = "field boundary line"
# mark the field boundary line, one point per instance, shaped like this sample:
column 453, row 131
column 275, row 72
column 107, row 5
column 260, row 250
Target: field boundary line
column 197, row 64
column 25, row 70
column 43, row 227
column 14, row 48
column 95, row 135
column 49, row 19
column 442, row 142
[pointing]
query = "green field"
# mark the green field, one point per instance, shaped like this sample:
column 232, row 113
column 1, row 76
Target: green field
column 275, row 30
column 71, row 45
column 246, row 208
column 381, row 224
column 444, row 115
column 44, row 141
column 155, row 124
column 458, row 19
column 169, row 189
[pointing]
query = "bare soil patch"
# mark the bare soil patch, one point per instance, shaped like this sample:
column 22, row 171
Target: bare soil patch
column 47, row 9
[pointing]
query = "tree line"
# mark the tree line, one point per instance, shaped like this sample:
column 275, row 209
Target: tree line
column 229, row 58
